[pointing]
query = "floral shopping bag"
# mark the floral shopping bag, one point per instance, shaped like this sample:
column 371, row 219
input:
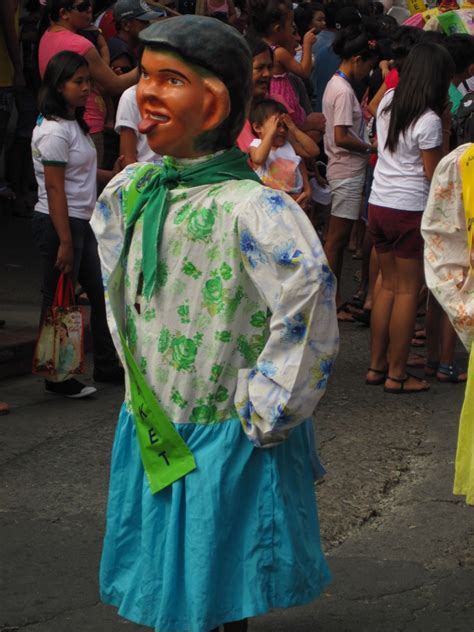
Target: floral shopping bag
column 59, row 351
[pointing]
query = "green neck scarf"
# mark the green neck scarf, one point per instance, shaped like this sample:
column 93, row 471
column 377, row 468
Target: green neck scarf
column 153, row 201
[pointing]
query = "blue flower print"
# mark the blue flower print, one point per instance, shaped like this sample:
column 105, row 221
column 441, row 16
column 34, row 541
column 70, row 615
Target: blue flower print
column 279, row 418
column 145, row 179
column 295, row 329
column 328, row 278
column 320, row 374
column 326, row 365
column 103, row 209
column 273, row 201
column 266, row 368
column 245, row 413
column 327, row 282
column 249, row 247
column 286, row 255
column 322, row 383
column 252, row 373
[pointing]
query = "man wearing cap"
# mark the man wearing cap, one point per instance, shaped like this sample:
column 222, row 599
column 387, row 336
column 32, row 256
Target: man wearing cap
column 222, row 307
column 131, row 17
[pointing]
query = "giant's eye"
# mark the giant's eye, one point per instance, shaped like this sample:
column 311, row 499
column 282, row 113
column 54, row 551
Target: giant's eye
column 174, row 81
column 144, row 74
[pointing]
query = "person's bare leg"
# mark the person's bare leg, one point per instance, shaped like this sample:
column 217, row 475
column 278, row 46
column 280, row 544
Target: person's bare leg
column 365, row 269
column 352, row 247
column 433, row 334
column 447, row 348
column 409, row 278
column 339, row 232
column 359, row 238
column 381, row 312
column 374, row 270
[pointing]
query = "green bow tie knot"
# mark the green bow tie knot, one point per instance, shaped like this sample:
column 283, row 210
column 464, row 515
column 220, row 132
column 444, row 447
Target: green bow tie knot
column 153, row 201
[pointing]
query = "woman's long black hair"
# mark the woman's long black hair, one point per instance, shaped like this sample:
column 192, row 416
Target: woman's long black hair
column 424, row 84
column 51, row 102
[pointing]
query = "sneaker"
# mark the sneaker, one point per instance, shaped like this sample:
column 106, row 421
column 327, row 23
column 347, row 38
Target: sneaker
column 69, row 388
column 114, row 375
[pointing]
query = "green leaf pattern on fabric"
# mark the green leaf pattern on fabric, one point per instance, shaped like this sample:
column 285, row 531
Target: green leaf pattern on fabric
column 207, row 323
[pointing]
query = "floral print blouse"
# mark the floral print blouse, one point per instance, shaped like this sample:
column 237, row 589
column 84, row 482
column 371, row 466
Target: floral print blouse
column 446, row 247
column 242, row 322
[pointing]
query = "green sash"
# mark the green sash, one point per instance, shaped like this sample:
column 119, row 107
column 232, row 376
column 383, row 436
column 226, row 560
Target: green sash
column 165, row 455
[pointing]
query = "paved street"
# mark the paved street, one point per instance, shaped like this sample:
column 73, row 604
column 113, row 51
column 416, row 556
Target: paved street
column 400, row 546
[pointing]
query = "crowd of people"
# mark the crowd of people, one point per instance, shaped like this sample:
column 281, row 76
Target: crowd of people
column 324, row 78
column 218, row 291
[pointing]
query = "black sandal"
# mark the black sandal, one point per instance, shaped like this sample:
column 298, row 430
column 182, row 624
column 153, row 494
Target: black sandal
column 378, row 381
column 402, row 381
column 450, row 374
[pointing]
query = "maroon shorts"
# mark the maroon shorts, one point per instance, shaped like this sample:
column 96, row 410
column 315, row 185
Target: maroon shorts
column 396, row 231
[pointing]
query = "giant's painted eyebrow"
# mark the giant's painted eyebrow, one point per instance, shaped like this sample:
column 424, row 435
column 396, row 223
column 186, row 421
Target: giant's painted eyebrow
column 168, row 70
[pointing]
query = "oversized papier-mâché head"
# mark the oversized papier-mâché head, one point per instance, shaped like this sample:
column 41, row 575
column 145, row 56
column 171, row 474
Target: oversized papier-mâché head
column 195, row 85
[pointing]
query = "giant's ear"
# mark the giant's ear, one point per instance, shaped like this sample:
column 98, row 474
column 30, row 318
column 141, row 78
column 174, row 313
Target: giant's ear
column 216, row 106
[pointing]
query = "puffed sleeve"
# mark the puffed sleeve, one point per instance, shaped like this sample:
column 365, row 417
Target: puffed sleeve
column 54, row 147
column 108, row 224
column 284, row 259
column 108, row 221
column 446, row 247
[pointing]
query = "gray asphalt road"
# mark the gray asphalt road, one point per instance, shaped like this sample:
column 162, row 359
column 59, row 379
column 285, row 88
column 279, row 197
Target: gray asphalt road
column 400, row 546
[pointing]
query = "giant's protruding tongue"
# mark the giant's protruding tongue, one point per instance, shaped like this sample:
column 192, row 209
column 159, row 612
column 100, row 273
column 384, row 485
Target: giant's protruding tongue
column 146, row 125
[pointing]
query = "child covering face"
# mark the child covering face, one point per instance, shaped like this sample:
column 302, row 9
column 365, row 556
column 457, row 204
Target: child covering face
column 273, row 156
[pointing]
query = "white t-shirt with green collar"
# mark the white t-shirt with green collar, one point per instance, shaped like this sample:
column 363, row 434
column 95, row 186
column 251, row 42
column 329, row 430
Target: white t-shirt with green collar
column 62, row 142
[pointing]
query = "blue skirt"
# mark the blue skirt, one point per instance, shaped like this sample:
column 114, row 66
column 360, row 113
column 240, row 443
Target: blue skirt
column 233, row 539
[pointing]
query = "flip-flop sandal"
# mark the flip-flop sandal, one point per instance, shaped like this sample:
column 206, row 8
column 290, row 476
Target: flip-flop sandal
column 431, row 368
column 358, row 299
column 364, row 317
column 379, row 380
column 344, row 309
column 4, row 409
column 416, row 361
column 402, row 390
column 451, row 374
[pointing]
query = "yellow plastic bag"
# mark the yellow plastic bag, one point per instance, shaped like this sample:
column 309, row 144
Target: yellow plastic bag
column 416, row 6
column 464, row 468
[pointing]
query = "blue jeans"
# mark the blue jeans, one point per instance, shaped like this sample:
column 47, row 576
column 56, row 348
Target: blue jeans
column 86, row 271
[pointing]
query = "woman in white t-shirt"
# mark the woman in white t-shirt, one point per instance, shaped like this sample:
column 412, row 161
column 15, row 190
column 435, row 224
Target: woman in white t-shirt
column 411, row 123
column 346, row 145
column 65, row 163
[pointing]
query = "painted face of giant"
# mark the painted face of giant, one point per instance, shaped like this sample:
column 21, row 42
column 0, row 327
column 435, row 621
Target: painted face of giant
column 178, row 103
